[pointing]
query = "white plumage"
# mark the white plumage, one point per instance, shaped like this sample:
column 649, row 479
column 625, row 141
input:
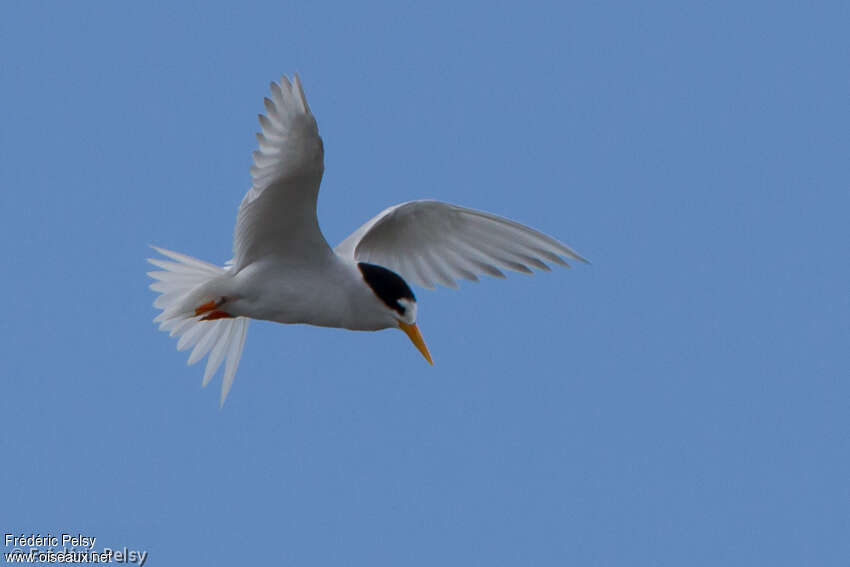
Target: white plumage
column 430, row 241
column 284, row 270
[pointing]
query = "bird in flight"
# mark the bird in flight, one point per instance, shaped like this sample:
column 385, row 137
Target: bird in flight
column 283, row 269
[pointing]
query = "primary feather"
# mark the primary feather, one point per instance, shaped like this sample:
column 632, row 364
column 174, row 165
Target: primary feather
column 429, row 242
column 278, row 214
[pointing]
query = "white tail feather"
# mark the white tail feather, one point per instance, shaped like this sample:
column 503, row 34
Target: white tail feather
column 222, row 339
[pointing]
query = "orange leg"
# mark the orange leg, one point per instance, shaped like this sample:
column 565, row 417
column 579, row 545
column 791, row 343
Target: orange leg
column 211, row 307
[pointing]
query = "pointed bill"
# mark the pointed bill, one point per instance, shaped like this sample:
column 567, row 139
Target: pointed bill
column 412, row 331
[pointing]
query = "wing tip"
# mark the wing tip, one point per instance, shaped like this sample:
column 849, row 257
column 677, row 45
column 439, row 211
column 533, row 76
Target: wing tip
column 299, row 88
column 575, row 256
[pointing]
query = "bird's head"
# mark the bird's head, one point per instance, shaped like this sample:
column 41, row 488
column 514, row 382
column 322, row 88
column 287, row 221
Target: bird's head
column 399, row 300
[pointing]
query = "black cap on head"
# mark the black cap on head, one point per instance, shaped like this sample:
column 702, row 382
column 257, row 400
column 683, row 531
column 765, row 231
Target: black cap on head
column 387, row 285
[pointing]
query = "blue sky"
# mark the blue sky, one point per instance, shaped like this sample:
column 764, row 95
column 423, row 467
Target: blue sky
column 681, row 401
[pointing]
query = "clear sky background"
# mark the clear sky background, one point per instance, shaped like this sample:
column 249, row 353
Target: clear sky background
column 684, row 400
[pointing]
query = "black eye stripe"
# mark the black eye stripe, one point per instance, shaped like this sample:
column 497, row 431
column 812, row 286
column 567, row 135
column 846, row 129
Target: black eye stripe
column 386, row 285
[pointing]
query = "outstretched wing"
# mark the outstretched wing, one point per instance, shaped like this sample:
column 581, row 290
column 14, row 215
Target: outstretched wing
column 278, row 214
column 430, row 241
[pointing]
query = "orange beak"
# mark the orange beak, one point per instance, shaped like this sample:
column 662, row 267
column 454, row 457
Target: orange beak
column 416, row 338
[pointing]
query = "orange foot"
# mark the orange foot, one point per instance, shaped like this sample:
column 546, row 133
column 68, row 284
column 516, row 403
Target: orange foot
column 211, row 308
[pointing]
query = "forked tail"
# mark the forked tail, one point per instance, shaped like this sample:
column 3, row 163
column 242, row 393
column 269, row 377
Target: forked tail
column 221, row 338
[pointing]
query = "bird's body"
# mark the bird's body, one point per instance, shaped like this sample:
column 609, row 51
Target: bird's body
column 288, row 292
column 283, row 269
